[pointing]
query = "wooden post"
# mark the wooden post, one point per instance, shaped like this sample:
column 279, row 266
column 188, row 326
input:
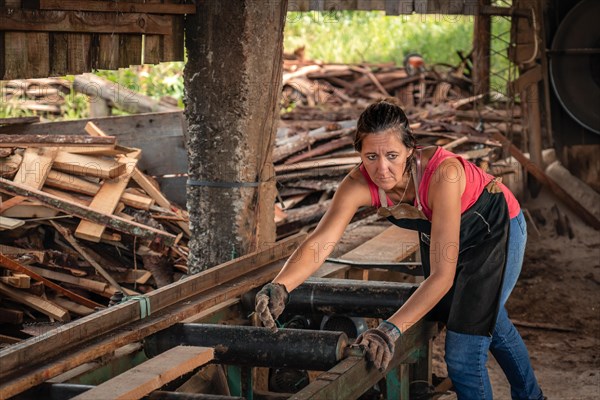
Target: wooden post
column 481, row 51
column 233, row 84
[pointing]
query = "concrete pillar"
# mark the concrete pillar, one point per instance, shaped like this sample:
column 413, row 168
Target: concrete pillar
column 233, row 86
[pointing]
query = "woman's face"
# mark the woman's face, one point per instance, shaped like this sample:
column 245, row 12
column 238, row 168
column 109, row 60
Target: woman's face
column 384, row 157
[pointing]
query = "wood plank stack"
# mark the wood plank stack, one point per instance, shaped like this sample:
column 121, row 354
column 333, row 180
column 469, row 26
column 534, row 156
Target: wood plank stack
column 80, row 222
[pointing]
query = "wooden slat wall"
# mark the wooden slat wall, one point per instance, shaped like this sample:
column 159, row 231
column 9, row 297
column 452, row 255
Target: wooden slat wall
column 391, row 7
column 35, row 53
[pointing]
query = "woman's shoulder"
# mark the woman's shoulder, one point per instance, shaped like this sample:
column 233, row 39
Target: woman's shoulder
column 355, row 187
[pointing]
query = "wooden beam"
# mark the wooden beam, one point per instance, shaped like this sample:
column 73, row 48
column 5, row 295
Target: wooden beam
column 539, row 174
column 151, row 375
column 114, row 222
column 105, row 201
column 110, row 6
column 15, row 266
column 52, row 140
column 77, row 22
column 208, row 288
column 35, row 302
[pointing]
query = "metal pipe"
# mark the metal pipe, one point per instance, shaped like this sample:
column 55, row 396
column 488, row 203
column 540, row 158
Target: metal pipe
column 252, row 346
column 349, row 297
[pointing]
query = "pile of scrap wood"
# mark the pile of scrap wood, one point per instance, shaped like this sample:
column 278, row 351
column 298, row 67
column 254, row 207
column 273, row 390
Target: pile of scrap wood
column 80, row 222
column 314, row 144
column 310, row 84
column 310, row 164
column 39, row 96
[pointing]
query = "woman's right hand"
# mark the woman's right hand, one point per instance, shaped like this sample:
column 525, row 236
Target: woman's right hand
column 270, row 303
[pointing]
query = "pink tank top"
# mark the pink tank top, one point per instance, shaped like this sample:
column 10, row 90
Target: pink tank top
column 476, row 182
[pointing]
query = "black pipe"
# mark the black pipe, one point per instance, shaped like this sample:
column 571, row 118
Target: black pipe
column 372, row 299
column 252, row 346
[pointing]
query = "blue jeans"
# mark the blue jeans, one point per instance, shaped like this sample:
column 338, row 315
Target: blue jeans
column 466, row 355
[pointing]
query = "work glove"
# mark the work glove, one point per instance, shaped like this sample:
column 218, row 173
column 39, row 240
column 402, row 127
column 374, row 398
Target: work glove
column 379, row 344
column 270, row 302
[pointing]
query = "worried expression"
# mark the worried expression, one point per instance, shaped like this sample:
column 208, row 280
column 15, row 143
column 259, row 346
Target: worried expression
column 384, row 157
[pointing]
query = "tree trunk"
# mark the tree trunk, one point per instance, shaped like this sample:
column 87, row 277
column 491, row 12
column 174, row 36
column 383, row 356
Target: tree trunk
column 233, row 85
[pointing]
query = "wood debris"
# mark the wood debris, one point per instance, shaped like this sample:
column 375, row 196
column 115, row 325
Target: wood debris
column 80, row 223
column 314, row 144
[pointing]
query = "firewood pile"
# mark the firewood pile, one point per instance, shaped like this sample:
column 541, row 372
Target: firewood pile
column 80, row 225
column 36, row 96
column 314, row 144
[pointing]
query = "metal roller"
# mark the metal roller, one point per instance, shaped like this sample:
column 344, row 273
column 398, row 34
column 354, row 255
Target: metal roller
column 252, row 346
column 349, row 297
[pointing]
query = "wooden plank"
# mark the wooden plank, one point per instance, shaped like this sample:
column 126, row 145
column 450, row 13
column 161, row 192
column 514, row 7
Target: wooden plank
column 88, row 284
column 62, row 180
column 73, row 22
column 26, row 54
column 105, row 150
column 13, row 201
column 7, row 223
column 108, row 51
column 35, row 166
column 15, row 266
column 79, row 55
column 153, row 51
column 222, row 280
column 49, row 140
column 19, row 120
column 151, row 375
column 121, row 6
column 160, row 199
column 105, row 201
column 317, row 164
column 116, row 223
column 37, row 303
column 170, row 123
column 80, row 164
column 59, row 54
column 393, row 244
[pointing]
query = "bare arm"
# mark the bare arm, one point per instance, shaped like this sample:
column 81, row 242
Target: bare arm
column 445, row 190
column 311, row 254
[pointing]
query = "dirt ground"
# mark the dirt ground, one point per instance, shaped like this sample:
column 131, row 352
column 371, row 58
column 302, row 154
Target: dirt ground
column 559, row 287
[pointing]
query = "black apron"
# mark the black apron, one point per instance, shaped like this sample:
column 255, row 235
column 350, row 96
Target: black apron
column 471, row 305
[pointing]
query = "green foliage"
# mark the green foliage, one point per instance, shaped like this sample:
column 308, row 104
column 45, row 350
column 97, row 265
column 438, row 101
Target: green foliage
column 360, row 36
column 156, row 81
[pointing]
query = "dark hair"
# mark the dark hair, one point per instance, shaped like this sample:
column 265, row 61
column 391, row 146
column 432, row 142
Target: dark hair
column 381, row 116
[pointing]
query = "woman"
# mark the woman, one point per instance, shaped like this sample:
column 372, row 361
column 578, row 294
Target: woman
column 472, row 237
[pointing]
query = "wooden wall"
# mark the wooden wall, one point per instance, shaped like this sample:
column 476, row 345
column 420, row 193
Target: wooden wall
column 391, row 7
column 44, row 38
